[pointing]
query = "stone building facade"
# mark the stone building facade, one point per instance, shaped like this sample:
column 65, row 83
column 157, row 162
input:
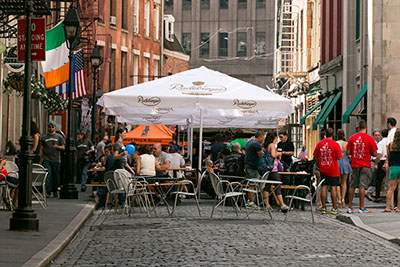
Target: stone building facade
column 223, row 35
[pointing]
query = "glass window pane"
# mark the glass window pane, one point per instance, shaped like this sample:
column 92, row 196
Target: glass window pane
column 223, row 4
column 124, row 66
column 242, row 3
column 187, row 42
column 204, row 44
column 260, row 43
column 241, row 44
column 205, row 4
column 223, row 44
column 260, row 4
column 187, row 4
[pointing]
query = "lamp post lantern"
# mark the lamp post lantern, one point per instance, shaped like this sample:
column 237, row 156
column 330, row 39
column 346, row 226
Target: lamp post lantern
column 96, row 60
column 71, row 32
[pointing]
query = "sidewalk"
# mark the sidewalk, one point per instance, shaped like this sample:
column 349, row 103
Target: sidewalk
column 385, row 225
column 57, row 226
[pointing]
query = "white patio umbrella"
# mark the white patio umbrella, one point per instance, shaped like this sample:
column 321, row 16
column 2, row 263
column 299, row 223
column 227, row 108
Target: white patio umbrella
column 205, row 97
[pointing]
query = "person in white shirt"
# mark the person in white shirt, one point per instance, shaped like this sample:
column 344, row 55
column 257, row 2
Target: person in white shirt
column 380, row 160
column 391, row 125
column 147, row 163
column 177, row 162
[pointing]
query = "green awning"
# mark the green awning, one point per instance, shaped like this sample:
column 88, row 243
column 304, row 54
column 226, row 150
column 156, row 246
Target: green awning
column 322, row 112
column 329, row 109
column 311, row 110
column 354, row 104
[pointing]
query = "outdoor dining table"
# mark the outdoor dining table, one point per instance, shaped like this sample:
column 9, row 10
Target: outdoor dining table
column 260, row 184
column 164, row 186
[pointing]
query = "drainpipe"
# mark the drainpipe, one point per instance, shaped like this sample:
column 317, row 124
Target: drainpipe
column 162, row 40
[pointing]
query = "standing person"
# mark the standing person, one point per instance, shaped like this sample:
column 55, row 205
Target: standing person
column 344, row 167
column 380, row 162
column 327, row 154
column 287, row 148
column 35, row 134
column 163, row 163
column 52, row 144
column 376, row 134
column 394, row 172
column 84, row 147
column 254, row 152
column 100, row 147
column 217, row 147
column 361, row 147
column 391, row 126
column 273, row 156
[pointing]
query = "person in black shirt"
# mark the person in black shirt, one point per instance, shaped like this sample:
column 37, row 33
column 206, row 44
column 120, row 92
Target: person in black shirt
column 286, row 147
column 254, row 152
column 217, row 147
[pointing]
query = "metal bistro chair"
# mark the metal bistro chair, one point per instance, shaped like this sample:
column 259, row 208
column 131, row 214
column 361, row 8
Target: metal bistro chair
column 224, row 190
column 5, row 196
column 183, row 193
column 308, row 198
column 113, row 189
column 39, row 176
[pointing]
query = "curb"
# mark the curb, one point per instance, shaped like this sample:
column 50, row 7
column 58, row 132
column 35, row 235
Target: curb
column 49, row 252
column 356, row 221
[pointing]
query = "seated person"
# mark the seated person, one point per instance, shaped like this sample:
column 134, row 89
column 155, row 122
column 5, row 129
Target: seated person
column 146, row 163
column 12, row 183
column 234, row 163
column 163, row 162
column 177, row 163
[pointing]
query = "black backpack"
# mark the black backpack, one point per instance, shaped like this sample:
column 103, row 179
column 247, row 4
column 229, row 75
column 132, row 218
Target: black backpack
column 234, row 165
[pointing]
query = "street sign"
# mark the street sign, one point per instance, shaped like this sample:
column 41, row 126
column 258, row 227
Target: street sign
column 38, row 39
column 11, row 61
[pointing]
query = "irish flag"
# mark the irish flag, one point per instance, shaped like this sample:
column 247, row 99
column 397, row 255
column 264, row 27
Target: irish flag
column 56, row 66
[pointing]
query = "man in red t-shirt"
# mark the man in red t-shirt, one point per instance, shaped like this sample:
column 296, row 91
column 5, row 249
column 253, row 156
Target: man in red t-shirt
column 327, row 153
column 360, row 147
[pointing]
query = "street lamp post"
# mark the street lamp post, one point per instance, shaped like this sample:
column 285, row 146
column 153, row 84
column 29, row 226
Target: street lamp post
column 24, row 218
column 96, row 60
column 71, row 31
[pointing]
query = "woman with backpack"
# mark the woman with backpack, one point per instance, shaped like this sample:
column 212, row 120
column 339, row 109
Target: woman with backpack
column 272, row 164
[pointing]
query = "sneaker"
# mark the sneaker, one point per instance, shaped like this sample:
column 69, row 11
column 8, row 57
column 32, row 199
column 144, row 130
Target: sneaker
column 284, row 208
column 323, row 210
column 364, row 210
column 333, row 212
column 251, row 204
column 349, row 211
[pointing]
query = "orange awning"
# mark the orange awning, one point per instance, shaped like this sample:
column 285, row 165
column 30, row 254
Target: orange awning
column 149, row 134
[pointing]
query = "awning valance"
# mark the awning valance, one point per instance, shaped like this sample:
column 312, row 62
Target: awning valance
column 330, row 108
column 311, row 110
column 323, row 110
column 354, row 103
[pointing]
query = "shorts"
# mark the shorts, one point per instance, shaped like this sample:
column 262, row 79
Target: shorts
column 360, row 177
column 330, row 181
column 274, row 176
column 251, row 173
column 394, row 173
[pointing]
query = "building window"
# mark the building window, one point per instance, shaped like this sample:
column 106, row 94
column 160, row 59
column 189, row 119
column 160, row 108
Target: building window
column 260, row 43
column 260, row 4
column 223, row 4
column 156, row 68
column 223, row 44
column 113, row 8
column 156, row 16
column 187, row 4
column 205, row 4
column 146, row 69
column 204, row 44
column 358, row 19
column 124, row 16
column 136, row 16
column 147, row 19
column 169, row 5
column 187, row 42
column 111, row 78
column 242, row 4
column 124, row 71
column 241, row 44
column 135, row 69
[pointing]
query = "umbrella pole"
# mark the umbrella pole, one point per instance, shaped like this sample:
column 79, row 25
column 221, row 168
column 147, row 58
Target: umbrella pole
column 201, row 139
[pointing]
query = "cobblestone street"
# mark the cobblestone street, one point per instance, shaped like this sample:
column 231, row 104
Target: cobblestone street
column 110, row 239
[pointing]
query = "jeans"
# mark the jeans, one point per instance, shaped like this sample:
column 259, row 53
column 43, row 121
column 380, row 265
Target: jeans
column 84, row 173
column 380, row 175
column 53, row 176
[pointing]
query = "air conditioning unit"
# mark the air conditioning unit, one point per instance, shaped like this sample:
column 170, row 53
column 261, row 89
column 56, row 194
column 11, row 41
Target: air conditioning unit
column 113, row 20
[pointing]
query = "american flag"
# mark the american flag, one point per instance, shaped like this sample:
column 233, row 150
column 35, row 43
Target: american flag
column 79, row 88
